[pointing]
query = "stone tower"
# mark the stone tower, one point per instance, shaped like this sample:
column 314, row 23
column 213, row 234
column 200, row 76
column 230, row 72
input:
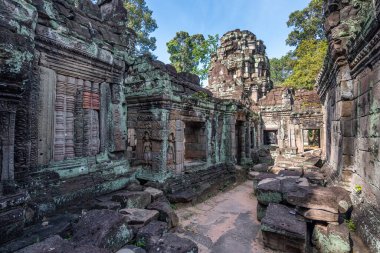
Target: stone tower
column 240, row 69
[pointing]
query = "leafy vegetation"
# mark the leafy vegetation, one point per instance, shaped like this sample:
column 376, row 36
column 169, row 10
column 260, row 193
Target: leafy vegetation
column 141, row 21
column 298, row 69
column 350, row 225
column 309, row 60
column 201, row 95
column 192, row 53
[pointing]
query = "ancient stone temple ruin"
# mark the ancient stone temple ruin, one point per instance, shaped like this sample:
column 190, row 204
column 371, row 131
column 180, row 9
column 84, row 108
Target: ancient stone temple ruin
column 99, row 145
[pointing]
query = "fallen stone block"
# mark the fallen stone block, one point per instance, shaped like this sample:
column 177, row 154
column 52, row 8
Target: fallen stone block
column 59, row 245
column 139, row 217
column 283, row 231
column 171, row 243
column 260, row 211
column 155, row 193
column 316, row 178
column 151, row 233
column 272, row 190
column 262, row 167
column 319, row 215
column 111, row 205
column 167, row 214
column 331, row 238
column 259, row 176
column 331, row 199
column 182, row 197
column 103, row 228
column 138, row 199
column 131, row 249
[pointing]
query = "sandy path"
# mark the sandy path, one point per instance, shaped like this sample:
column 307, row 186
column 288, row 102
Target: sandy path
column 225, row 223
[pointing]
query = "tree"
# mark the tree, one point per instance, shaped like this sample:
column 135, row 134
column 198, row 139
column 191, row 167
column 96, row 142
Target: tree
column 141, row 21
column 192, row 53
column 307, row 24
column 310, row 55
column 311, row 46
column 281, row 68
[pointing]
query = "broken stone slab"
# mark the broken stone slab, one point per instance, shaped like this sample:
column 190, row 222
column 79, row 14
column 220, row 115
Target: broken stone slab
column 171, row 243
column 139, row 217
column 151, row 233
column 135, row 199
column 331, row 199
column 318, row 215
column 57, row 244
column 262, row 167
column 272, row 190
column 103, row 228
column 182, row 197
column 282, row 230
column 111, row 205
column 134, row 187
column 167, row 213
column 155, row 193
column 131, row 249
column 316, row 178
column 331, row 238
column 58, row 225
column 259, row 176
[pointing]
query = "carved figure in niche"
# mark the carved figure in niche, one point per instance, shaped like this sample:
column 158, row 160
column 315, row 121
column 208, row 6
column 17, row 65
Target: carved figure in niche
column 171, row 149
column 147, row 148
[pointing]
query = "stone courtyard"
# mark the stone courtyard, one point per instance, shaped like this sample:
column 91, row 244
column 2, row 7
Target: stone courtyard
column 105, row 151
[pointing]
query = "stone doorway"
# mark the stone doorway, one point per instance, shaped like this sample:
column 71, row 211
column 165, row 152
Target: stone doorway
column 195, row 142
column 311, row 139
column 270, row 137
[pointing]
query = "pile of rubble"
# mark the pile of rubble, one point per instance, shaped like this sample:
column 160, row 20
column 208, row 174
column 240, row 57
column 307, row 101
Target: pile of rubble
column 297, row 212
column 137, row 219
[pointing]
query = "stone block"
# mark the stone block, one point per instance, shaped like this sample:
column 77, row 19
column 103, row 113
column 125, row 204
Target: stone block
column 151, row 233
column 319, row 215
column 57, row 244
column 331, row 199
column 282, row 230
column 331, row 238
column 103, row 228
column 262, row 167
column 131, row 249
column 139, row 217
column 171, row 243
column 259, row 176
column 133, row 199
column 166, row 213
column 260, row 211
column 155, row 193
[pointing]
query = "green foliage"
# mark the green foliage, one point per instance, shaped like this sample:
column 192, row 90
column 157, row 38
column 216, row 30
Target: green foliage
column 173, row 206
column 141, row 21
column 192, row 53
column 307, row 24
column 350, row 225
column 281, row 68
column 309, row 60
column 358, row 189
column 200, row 95
column 140, row 243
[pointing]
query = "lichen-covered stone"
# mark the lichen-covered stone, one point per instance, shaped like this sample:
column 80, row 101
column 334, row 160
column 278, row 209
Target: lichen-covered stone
column 103, row 228
column 332, row 238
column 137, row 199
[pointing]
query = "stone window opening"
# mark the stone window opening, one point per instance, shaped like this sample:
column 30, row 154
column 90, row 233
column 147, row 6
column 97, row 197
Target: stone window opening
column 195, row 142
column 311, row 139
column 270, row 137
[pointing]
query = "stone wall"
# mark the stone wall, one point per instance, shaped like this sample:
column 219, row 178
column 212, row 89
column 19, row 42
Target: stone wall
column 291, row 115
column 348, row 86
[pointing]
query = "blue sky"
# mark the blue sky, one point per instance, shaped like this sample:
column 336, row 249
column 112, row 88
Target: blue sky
column 265, row 18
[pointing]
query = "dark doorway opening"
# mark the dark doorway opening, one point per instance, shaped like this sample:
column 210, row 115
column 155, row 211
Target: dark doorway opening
column 270, row 137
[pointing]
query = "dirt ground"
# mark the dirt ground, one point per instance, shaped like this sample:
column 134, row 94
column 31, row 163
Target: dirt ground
column 225, row 223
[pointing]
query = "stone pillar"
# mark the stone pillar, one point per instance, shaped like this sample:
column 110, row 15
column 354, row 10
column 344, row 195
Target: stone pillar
column 179, row 146
column 46, row 103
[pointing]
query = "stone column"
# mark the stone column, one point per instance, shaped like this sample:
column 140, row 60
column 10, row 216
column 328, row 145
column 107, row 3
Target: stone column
column 8, row 107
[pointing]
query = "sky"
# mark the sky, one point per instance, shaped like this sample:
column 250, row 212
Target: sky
column 265, row 18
